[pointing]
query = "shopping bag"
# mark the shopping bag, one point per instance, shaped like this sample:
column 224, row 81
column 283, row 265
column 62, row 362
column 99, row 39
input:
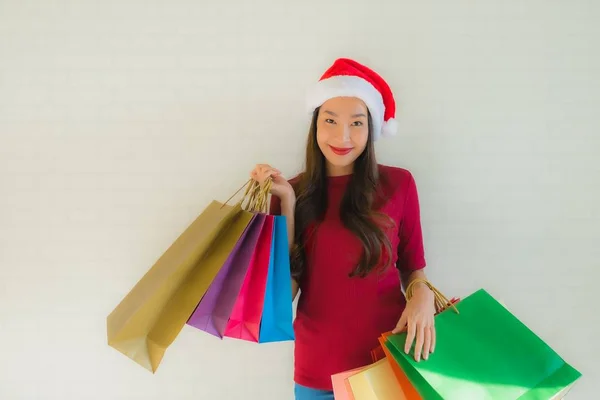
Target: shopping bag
column 341, row 386
column 244, row 321
column 377, row 354
column 212, row 314
column 407, row 387
column 151, row 315
column 376, row 382
column 382, row 351
column 148, row 319
column 277, row 313
column 485, row 352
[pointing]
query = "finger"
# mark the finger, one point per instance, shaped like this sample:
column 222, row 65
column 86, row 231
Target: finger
column 262, row 173
column 277, row 178
column 267, row 171
column 410, row 336
column 257, row 171
column 420, row 341
column 269, row 174
column 273, row 172
column 260, row 169
column 432, row 338
column 427, row 343
column 400, row 325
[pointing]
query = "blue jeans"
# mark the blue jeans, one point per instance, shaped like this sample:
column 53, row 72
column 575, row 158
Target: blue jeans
column 305, row 393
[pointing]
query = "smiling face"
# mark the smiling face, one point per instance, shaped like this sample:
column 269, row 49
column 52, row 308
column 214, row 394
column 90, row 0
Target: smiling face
column 342, row 133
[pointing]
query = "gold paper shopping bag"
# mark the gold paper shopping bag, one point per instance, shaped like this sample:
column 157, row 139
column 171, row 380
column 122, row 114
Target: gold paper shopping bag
column 151, row 316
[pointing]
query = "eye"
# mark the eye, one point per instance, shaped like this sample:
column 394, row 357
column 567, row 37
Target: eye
column 357, row 123
column 330, row 121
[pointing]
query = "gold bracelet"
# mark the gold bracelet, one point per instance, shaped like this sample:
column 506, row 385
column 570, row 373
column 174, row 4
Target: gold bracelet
column 441, row 302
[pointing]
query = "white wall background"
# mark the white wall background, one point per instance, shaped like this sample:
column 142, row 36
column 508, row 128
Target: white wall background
column 121, row 120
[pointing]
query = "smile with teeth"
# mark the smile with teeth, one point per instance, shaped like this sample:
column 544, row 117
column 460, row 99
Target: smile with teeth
column 341, row 150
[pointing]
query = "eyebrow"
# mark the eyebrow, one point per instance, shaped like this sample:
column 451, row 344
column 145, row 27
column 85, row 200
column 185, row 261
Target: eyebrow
column 353, row 116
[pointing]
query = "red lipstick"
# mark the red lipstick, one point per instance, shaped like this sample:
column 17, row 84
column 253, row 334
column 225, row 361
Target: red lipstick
column 340, row 151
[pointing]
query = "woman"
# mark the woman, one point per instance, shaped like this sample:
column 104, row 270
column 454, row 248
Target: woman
column 354, row 233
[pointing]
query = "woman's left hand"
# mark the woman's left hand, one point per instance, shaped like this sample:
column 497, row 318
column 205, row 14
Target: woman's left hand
column 418, row 320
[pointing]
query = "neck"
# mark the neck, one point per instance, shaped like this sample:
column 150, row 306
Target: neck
column 335, row 170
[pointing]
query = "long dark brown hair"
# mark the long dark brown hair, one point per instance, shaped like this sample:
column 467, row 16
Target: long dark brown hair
column 358, row 208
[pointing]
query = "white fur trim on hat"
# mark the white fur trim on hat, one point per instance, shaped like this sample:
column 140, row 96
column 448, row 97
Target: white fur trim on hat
column 349, row 86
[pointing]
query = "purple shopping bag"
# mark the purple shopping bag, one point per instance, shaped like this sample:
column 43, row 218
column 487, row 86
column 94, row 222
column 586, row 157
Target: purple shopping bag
column 213, row 311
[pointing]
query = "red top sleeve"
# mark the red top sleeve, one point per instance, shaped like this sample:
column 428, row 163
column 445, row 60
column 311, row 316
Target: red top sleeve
column 411, row 254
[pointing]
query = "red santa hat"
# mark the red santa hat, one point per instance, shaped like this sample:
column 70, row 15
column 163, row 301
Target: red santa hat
column 348, row 78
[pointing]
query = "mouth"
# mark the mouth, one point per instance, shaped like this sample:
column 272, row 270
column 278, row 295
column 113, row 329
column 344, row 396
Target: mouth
column 340, row 151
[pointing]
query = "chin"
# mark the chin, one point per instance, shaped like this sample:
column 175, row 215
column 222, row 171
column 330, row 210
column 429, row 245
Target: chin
column 339, row 160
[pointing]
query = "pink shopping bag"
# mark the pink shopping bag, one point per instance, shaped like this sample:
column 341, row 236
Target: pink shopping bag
column 244, row 321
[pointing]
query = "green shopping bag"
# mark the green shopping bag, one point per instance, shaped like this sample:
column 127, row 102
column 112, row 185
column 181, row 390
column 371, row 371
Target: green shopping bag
column 484, row 352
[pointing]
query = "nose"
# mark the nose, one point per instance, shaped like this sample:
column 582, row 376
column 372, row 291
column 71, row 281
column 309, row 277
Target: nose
column 343, row 133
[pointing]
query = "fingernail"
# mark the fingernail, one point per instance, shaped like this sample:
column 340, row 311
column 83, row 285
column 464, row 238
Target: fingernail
column 426, row 356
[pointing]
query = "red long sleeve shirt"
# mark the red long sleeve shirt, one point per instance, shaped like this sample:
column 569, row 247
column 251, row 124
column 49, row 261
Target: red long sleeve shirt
column 340, row 318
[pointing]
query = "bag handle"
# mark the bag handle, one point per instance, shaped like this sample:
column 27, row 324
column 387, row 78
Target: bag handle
column 441, row 302
column 255, row 198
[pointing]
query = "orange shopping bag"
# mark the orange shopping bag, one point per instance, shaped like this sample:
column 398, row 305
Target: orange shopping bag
column 409, row 390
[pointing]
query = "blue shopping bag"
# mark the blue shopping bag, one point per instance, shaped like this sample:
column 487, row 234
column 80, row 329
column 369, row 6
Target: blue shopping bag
column 277, row 317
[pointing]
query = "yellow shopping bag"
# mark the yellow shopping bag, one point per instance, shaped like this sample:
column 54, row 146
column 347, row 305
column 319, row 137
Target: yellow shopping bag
column 376, row 382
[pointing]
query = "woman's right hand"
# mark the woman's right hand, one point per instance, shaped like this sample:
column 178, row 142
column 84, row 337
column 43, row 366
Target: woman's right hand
column 280, row 186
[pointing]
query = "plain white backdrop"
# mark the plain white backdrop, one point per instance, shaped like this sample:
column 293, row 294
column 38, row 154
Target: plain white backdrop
column 121, row 120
